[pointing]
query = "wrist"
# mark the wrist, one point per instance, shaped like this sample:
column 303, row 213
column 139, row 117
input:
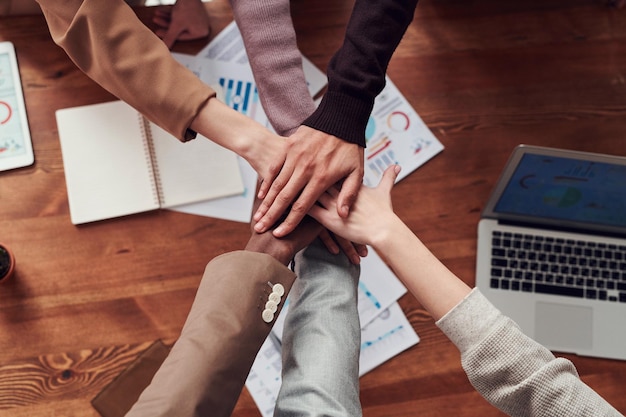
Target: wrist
column 264, row 245
column 388, row 233
column 226, row 127
column 343, row 116
column 256, row 145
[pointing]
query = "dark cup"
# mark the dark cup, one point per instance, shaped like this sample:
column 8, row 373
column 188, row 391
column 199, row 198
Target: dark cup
column 7, row 263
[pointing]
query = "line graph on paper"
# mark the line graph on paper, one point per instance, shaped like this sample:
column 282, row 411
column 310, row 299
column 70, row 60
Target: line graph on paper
column 386, row 336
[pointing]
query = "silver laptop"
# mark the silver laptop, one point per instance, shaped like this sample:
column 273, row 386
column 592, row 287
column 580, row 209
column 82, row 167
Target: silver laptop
column 552, row 249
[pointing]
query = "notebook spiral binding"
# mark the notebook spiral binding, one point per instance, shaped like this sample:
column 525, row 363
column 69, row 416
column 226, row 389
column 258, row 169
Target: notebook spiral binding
column 155, row 178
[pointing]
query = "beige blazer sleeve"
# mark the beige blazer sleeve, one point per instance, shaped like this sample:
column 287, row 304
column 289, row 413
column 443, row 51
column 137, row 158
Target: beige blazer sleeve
column 208, row 365
column 107, row 41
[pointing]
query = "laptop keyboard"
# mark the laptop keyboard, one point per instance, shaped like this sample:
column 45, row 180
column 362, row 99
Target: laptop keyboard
column 573, row 268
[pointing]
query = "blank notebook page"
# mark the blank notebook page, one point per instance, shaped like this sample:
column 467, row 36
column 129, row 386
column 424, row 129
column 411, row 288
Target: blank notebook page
column 193, row 171
column 106, row 169
column 110, row 172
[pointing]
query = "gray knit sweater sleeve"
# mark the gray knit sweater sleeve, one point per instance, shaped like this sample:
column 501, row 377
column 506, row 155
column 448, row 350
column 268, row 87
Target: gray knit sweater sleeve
column 513, row 372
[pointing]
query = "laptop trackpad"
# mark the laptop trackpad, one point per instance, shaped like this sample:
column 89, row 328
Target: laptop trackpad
column 563, row 325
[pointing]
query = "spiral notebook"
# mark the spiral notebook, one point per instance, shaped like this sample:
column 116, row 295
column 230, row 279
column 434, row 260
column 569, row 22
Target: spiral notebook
column 118, row 163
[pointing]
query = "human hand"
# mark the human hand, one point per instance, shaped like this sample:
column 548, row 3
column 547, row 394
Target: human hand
column 266, row 156
column 314, row 162
column 371, row 214
column 284, row 249
column 185, row 21
column 335, row 244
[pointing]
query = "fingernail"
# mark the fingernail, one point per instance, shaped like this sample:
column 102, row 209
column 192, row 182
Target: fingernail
column 257, row 216
column 259, row 227
column 363, row 252
column 345, row 210
column 356, row 259
column 278, row 232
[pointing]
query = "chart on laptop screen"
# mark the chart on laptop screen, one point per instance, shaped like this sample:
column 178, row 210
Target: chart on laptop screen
column 568, row 189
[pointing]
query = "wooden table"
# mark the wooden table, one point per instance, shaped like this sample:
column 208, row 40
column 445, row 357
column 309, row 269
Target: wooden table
column 485, row 76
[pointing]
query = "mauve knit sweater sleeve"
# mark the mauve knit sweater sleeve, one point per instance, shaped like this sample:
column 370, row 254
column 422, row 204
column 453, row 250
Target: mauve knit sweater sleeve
column 270, row 40
column 513, row 372
column 356, row 73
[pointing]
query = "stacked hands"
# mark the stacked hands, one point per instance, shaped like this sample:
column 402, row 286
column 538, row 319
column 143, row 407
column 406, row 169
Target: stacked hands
column 295, row 171
column 360, row 226
column 314, row 162
column 356, row 230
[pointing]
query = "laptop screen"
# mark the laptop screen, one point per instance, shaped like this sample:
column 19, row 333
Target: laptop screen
column 573, row 189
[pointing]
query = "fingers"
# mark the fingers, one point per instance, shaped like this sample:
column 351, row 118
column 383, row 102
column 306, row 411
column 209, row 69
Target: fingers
column 389, row 178
column 327, row 217
column 349, row 191
column 333, row 243
column 360, row 249
column 264, row 187
column 275, row 188
column 320, row 214
column 327, row 200
column 267, row 182
column 284, row 190
column 310, row 168
column 298, row 209
column 329, row 242
column 349, row 249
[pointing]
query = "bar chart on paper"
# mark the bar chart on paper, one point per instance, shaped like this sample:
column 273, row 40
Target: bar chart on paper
column 241, row 96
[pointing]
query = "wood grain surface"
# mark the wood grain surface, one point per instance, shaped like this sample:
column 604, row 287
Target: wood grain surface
column 484, row 75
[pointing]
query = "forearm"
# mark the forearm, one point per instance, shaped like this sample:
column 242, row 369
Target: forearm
column 512, row 371
column 356, row 73
column 321, row 337
column 240, row 134
column 270, row 41
column 208, row 365
column 112, row 46
column 434, row 285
